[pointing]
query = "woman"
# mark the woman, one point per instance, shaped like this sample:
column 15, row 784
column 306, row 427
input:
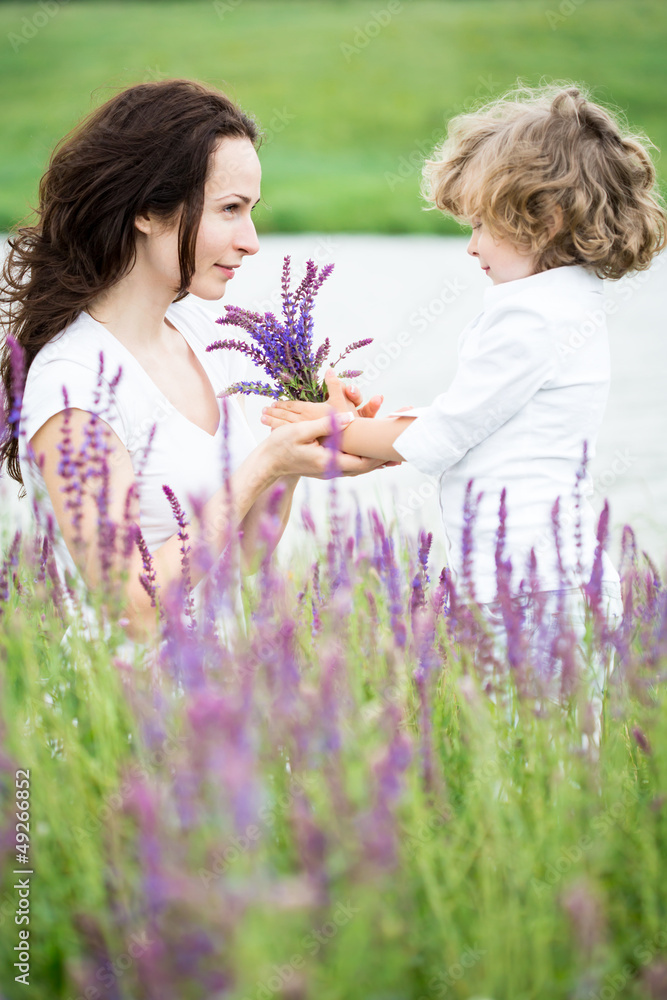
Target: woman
column 150, row 198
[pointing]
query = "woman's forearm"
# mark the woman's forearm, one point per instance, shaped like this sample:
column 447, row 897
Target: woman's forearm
column 251, row 542
column 222, row 515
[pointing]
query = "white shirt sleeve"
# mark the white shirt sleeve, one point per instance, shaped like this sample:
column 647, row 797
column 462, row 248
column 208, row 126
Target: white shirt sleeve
column 503, row 363
column 44, row 396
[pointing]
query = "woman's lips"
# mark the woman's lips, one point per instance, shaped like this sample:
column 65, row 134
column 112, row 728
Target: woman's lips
column 227, row 271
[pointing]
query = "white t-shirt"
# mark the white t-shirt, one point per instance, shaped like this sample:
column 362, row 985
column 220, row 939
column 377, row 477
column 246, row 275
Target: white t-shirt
column 531, row 387
column 181, row 454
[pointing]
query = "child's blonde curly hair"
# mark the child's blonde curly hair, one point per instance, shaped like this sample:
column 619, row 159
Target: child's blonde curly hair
column 557, row 175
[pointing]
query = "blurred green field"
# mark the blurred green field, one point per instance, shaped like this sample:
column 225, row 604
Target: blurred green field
column 351, row 95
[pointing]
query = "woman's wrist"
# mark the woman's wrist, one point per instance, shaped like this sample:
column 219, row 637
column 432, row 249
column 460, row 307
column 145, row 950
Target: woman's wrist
column 290, row 480
column 266, row 464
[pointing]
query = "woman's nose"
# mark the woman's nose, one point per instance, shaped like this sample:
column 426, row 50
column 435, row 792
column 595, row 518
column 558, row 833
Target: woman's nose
column 247, row 238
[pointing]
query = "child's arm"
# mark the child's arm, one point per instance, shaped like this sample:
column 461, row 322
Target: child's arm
column 368, row 437
column 365, row 436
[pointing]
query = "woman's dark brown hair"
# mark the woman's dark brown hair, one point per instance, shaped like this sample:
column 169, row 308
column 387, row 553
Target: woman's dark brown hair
column 148, row 149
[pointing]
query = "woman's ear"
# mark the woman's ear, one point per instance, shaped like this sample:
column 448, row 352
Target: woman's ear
column 144, row 223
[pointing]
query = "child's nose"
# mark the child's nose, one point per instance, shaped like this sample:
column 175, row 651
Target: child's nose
column 472, row 246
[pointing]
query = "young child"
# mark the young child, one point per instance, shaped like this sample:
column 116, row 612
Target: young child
column 559, row 196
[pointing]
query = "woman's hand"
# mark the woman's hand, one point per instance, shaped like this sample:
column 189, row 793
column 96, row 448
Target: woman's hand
column 294, row 448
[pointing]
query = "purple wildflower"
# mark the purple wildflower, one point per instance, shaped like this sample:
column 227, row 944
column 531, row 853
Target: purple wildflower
column 593, row 588
column 580, row 475
column 147, row 579
column 393, row 580
column 182, row 522
column 285, row 349
column 18, row 374
column 641, row 740
column 470, row 508
column 513, row 616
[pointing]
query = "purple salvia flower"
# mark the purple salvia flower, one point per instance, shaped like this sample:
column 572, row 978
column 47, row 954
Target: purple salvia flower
column 641, row 740
column 18, row 375
column 393, row 581
column 307, row 520
column 467, row 542
column 594, row 585
column 558, row 548
column 584, row 909
column 285, row 350
column 380, row 823
column 5, row 572
column 513, row 617
column 219, row 587
column 147, row 579
column 289, row 307
column 420, row 582
column 372, row 607
column 322, row 354
column 182, row 522
column 239, row 345
column 252, row 388
column 353, row 347
column 580, row 475
column 350, row 373
column 441, row 601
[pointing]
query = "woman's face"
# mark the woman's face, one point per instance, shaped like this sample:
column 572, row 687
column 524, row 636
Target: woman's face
column 226, row 231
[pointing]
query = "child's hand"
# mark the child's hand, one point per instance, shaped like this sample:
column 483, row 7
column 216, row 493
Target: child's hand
column 342, row 399
column 292, row 411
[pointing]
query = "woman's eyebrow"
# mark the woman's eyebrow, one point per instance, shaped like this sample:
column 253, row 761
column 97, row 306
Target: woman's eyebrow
column 242, row 197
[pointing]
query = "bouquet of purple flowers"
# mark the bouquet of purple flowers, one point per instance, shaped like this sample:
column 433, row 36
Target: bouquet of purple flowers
column 285, row 349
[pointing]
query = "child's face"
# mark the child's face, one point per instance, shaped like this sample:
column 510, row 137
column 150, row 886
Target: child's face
column 500, row 259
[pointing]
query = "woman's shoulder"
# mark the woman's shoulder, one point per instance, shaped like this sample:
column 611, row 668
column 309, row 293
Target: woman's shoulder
column 79, row 367
column 83, row 343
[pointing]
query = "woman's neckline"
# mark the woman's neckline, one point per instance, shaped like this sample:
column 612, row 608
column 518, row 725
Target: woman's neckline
column 194, row 347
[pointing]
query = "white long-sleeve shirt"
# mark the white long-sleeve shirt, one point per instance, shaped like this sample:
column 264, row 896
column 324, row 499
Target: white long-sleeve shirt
column 531, row 387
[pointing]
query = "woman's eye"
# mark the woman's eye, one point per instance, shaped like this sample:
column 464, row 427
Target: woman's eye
column 230, row 208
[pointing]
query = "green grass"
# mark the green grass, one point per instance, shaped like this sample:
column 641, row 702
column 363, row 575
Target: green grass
column 357, row 115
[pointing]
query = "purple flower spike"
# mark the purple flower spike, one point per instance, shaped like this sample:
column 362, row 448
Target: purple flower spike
column 284, row 348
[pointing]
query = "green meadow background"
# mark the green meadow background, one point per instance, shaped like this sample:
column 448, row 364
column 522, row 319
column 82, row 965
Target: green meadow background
column 352, row 95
